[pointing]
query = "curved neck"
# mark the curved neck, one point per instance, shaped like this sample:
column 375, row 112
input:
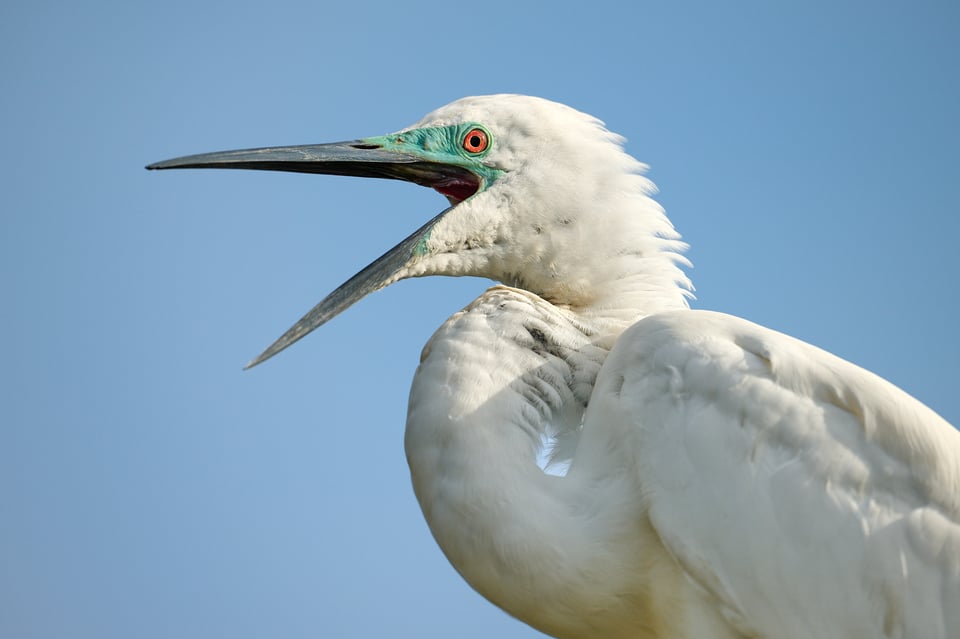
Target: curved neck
column 493, row 381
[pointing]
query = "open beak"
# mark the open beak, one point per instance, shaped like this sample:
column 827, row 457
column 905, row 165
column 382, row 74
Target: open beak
column 362, row 158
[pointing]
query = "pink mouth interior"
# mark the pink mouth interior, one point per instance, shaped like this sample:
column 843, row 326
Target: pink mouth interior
column 457, row 189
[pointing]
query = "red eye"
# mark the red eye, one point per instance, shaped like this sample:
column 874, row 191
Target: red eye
column 475, row 141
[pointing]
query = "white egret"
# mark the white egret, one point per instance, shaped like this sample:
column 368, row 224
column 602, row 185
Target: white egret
column 724, row 480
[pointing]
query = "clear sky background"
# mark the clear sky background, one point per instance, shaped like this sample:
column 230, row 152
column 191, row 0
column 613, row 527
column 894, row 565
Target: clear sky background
column 150, row 488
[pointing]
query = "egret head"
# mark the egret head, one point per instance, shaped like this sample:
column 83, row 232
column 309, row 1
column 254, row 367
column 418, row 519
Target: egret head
column 541, row 197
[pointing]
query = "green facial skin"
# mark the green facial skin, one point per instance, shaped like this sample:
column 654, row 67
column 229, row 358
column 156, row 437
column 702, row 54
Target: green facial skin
column 443, row 145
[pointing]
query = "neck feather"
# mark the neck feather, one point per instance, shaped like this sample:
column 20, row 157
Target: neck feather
column 495, row 379
column 602, row 248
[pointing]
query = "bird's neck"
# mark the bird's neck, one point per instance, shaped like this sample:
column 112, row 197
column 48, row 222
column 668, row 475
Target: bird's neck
column 493, row 382
column 604, row 250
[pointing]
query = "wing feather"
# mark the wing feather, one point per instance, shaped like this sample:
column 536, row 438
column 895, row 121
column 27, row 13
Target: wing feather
column 811, row 497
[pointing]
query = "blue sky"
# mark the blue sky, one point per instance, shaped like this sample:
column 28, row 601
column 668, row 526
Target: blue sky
column 151, row 488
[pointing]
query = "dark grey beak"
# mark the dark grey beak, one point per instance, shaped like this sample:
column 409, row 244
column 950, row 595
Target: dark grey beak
column 358, row 158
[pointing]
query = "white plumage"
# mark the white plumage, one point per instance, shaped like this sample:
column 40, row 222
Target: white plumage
column 724, row 480
column 724, row 471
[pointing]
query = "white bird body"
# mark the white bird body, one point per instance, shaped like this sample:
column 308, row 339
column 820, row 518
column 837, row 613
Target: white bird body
column 724, row 480
column 729, row 480
column 574, row 556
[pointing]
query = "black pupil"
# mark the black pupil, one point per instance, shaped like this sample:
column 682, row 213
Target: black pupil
column 475, row 140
